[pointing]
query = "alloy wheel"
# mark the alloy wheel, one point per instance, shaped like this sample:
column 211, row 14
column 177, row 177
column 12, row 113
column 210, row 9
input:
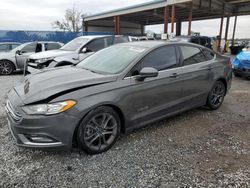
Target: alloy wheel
column 217, row 95
column 100, row 131
column 5, row 68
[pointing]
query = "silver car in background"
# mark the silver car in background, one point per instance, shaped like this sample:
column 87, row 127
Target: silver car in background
column 15, row 60
column 8, row 46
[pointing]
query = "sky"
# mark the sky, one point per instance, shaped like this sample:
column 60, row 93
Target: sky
column 39, row 14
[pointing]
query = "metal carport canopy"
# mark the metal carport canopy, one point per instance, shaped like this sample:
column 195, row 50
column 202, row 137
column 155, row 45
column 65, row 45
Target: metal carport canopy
column 134, row 18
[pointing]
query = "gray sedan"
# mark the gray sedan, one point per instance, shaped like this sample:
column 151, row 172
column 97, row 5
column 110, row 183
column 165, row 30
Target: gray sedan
column 114, row 91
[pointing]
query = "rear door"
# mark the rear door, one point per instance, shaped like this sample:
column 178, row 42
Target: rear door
column 196, row 75
column 156, row 97
column 25, row 53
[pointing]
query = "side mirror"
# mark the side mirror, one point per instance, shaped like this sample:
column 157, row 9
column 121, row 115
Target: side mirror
column 147, row 72
column 18, row 52
column 84, row 50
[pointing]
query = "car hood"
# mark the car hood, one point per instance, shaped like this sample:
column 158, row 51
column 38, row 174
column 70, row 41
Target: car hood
column 53, row 82
column 51, row 53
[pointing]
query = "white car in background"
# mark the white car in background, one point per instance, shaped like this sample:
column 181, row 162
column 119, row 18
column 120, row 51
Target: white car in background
column 72, row 52
column 15, row 59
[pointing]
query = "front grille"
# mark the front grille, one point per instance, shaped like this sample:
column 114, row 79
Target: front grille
column 14, row 114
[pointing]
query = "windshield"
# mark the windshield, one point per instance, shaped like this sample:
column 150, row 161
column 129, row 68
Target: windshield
column 111, row 60
column 20, row 47
column 75, row 44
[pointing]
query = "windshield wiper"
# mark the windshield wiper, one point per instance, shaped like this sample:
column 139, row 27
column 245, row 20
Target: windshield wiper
column 92, row 71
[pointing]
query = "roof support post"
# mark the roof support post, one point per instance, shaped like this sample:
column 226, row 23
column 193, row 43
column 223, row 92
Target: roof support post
column 178, row 27
column 85, row 28
column 235, row 23
column 166, row 17
column 221, row 28
column 117, row 25
column 172, row 19
column 226, row 33
column 142, row 30
column 220, row 35
column 190, row 19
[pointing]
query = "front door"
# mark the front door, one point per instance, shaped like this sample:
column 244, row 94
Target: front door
column 154, row 98
column 28, row 50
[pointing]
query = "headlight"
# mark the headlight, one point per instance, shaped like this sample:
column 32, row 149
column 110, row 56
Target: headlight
column 43, row 60
column 49, row 109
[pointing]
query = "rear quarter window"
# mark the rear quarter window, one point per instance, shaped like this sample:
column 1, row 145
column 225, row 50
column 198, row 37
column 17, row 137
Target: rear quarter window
column 52, row 46
column 192, row 55
column 208, row 55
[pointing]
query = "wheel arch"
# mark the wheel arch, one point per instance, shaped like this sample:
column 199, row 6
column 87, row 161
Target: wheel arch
column 223, row 80
column 14, row 65
column 114, row 107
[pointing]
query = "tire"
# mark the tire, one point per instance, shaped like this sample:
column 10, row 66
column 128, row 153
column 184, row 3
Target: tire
column 216, row 95
column 99, row 130
column 6, row 67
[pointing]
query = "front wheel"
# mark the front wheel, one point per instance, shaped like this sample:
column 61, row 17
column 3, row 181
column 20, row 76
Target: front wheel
column 6, row 67
column 216, row 95
column 99, row 130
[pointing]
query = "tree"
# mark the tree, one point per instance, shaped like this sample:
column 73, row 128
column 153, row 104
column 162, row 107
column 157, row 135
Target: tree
column 72, row 21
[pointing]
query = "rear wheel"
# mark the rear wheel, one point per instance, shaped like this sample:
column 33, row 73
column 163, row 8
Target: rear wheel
column 216, row 95
column 99, row 130
column 6, row 67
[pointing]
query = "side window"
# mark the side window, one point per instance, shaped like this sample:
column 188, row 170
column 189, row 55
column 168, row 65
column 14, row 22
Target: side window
column 120, row 40
column 135, row 70
column 52, row 46
column 39, row 47
column 3, row 48
column 108, row 41
column 192, row 55
column 14, row 46
column 96, row 45
column 161, row 59
column 208, row 55
column 29, row 48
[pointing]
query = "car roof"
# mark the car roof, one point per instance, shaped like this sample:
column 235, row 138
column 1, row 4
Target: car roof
column 144, row 44
column 154, row 44
column 46, row 42
column 93, row 36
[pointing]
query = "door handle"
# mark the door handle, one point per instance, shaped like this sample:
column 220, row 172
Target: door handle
column 174, row 75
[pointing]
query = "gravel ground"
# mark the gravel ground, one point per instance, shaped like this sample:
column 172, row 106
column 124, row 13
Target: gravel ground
column 199, row 148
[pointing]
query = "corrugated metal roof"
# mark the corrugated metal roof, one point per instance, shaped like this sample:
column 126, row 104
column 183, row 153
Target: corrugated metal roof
column 235, row 2
column 134, row 8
